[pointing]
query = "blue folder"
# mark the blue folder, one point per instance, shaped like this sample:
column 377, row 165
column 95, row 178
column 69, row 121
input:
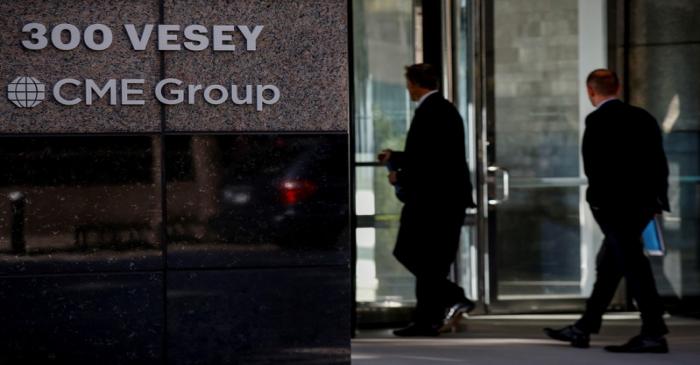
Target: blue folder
column 653, row 239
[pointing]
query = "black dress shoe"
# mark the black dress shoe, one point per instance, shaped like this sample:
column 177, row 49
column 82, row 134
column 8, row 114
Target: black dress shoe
column 417, row 330
column 571, row 334
column 454, row 314
column 642, row 344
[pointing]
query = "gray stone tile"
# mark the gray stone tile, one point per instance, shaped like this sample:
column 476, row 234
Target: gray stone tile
column 302, row 50
column 49, row 65
column 510, row 339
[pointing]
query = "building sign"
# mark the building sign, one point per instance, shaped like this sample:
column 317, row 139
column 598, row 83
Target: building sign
column 164, row 65
column 28, row 92
column 98, row 37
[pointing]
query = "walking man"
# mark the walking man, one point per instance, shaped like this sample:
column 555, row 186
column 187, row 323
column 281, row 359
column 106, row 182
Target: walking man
column 627, row 171
column 432, row 179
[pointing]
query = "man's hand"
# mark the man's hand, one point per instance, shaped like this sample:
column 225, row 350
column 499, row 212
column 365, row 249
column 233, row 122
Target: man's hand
column 384, row 156
column 392, row 177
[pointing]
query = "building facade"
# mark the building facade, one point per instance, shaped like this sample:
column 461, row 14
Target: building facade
column 194, row 182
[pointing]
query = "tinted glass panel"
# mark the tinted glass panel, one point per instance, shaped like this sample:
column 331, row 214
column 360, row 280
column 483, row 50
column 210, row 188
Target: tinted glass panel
column 537, row 257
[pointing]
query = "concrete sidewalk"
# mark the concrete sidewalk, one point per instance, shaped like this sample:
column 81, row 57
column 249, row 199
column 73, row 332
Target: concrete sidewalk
column 496, row 340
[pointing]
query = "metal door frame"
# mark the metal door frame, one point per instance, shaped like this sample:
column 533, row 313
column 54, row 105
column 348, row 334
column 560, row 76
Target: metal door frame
column 484, row 123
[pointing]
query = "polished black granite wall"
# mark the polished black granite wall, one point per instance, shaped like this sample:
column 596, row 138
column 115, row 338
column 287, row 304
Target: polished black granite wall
column 178, row 249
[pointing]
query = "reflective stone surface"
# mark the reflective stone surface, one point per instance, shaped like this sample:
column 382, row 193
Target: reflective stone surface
column 257, row 200
column 76, row 204
column 659, row 82
column 81, row 254
column 663, row 68
column 670, row 21
column 274, row 316
column 82, row 319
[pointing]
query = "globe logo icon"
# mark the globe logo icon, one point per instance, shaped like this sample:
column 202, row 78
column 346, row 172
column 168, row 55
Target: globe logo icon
column 26, row 92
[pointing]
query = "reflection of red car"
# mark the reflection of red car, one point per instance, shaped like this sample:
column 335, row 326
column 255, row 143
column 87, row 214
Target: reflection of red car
column 291, row 190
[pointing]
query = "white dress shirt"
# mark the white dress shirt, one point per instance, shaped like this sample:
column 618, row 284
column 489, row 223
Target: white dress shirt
column 422, row 98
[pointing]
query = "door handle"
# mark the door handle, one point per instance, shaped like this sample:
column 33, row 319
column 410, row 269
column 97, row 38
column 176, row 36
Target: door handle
column 506, row 184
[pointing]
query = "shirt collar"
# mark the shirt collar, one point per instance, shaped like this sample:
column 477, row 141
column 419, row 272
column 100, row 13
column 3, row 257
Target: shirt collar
column 422, row 98
column 605, row 101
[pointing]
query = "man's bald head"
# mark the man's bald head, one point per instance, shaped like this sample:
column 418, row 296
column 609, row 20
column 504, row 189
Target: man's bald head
column 604, row 82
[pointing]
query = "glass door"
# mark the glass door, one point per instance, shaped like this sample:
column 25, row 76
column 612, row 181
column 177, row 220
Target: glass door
column 383, row 42
column 539, row 238
column 459, row 30
column 516, row 70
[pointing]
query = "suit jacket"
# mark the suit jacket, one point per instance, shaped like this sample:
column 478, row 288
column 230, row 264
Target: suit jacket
column 432, row 170
column 436, row 188
column 624, row 159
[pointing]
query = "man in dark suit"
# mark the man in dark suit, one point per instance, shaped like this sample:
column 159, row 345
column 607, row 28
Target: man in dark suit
column 627, row 171
column 434, row 182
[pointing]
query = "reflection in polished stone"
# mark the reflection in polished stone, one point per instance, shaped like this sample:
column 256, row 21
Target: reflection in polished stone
column 242, row 200
column 79, row 204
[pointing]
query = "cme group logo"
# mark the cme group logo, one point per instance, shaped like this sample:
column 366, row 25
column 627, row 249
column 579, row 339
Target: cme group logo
column 26, row 92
